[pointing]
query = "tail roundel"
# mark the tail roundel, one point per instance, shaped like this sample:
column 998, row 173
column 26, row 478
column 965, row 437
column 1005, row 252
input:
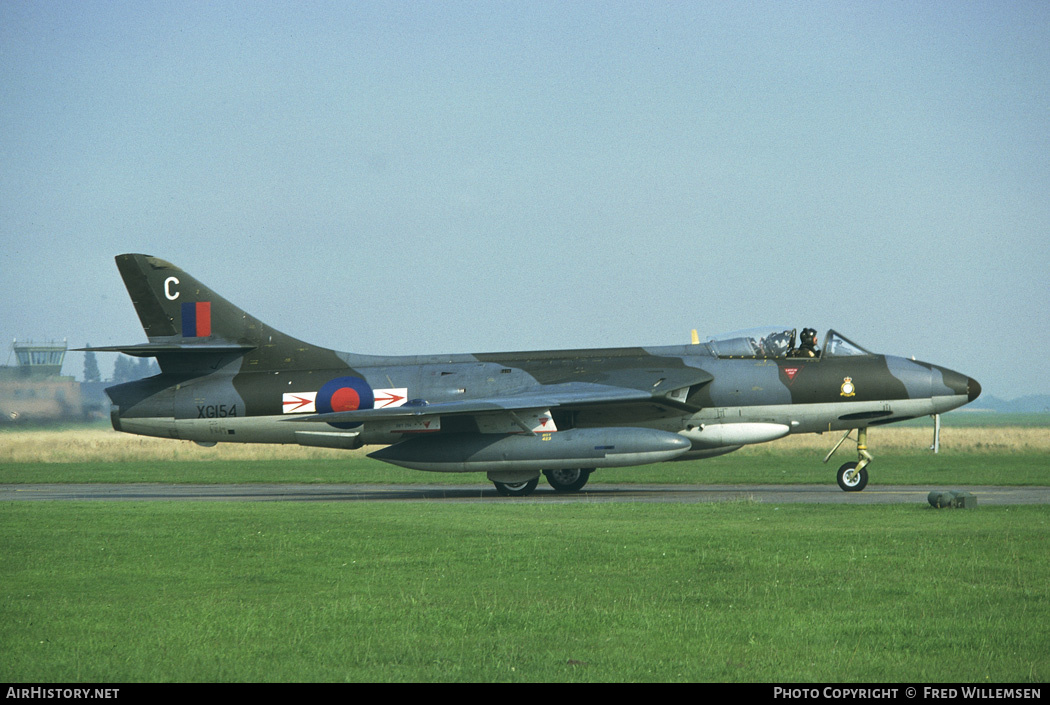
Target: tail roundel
column 196, row 319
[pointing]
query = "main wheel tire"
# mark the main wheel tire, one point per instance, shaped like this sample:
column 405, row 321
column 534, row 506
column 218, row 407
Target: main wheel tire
column 516, row 489
column 568, row 480
column 859, row 482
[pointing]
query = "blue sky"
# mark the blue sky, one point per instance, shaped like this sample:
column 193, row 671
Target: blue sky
column 426, row 177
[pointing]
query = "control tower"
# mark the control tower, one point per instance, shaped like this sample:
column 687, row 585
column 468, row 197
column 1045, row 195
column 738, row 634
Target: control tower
column 39, row 359
column 34, row 390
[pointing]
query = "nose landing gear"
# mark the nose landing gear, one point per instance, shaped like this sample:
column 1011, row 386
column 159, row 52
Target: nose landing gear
column 853, row 477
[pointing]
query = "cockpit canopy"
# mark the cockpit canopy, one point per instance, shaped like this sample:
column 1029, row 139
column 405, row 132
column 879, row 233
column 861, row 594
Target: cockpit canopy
column 779, row 342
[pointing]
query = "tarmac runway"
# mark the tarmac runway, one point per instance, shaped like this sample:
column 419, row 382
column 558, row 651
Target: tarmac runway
column 686, row 494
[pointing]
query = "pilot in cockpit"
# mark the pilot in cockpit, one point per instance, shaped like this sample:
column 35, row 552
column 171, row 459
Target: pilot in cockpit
column 807, row 346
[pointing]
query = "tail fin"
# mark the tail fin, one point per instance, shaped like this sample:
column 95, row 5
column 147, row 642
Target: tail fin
column 173, row 307
column 189, row 326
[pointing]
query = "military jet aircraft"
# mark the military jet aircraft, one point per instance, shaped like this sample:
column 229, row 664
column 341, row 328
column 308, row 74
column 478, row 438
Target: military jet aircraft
column 228, row 377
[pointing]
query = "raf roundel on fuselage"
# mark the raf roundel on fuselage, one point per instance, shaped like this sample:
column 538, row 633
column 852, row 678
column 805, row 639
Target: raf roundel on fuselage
column 345, row 394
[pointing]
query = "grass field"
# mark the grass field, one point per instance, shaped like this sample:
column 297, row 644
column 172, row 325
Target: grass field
column 969, row 455
column 432, row 592
column 427, row 591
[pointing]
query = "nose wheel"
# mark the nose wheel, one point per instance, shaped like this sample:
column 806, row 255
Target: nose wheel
column 853, row 476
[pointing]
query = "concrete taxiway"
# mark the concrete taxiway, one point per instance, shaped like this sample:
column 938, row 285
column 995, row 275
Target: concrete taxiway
column 685, row 494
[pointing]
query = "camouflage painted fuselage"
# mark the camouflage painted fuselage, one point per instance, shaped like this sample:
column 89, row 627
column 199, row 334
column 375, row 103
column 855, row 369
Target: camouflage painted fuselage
column 228, row 377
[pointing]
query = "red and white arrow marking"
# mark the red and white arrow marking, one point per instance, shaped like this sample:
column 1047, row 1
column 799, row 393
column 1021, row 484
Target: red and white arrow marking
column 298, row 402
column 389, row 398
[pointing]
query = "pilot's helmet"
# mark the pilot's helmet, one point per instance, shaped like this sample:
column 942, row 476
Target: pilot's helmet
column 809, row 336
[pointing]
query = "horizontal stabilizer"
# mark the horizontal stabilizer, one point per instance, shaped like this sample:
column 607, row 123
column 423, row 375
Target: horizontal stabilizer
column 154, row 349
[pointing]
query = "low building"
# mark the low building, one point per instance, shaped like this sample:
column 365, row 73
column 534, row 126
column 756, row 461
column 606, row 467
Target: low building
column 35, row 390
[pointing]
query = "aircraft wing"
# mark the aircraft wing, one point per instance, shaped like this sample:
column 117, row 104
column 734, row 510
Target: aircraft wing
column 670, row 388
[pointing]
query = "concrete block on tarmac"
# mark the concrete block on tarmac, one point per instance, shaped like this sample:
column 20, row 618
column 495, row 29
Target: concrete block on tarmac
column 953, row 499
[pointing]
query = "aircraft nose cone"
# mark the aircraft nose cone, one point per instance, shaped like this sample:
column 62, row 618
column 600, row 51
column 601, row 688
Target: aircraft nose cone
column 973, row 388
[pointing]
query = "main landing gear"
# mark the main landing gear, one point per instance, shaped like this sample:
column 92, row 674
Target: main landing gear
column 568, row 480
column 516, row 489
column 853, row 477
column 560, row 481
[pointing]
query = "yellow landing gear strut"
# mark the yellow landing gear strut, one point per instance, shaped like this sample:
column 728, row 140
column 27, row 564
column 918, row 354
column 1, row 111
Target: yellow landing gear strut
column 853, row 477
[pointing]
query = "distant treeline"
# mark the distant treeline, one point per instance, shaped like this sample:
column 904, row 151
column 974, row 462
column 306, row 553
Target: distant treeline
column 126, row 369
column 1031, row 404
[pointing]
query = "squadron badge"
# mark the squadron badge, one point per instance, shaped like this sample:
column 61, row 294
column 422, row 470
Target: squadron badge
column 848, row 390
